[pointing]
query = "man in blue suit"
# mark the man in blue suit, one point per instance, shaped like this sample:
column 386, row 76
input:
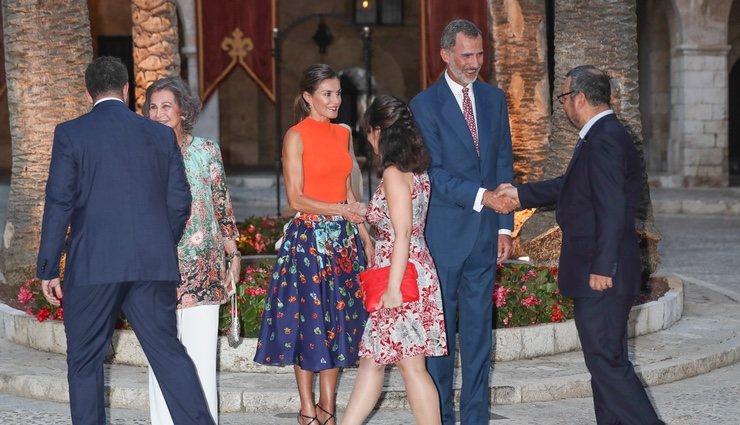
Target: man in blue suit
column 596, row 201
column 117, row 181
column 465, row 125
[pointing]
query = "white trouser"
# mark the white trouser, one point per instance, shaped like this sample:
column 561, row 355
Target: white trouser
column 197, row 329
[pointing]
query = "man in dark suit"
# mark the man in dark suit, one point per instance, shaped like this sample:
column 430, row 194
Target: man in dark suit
column 117, row 181
column 599, row 258
column 465, row 125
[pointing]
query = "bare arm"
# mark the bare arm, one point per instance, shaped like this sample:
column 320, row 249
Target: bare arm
column 293, row 175
column 397, row 186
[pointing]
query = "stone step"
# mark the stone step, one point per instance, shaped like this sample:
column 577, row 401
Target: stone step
column 510, row 344
column 706, row 338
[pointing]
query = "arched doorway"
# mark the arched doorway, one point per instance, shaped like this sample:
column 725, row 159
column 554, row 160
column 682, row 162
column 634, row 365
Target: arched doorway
column 734, row 124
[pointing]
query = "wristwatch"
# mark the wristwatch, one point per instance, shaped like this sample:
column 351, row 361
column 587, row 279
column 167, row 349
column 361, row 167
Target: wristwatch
column 235, row 253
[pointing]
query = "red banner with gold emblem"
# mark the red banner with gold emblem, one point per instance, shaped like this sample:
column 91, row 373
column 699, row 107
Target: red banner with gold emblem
column 236, row 34
column 435, row 15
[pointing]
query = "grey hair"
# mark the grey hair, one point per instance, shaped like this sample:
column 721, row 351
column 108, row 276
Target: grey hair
column 189, row 105
column 592, row 82
column 447, row 41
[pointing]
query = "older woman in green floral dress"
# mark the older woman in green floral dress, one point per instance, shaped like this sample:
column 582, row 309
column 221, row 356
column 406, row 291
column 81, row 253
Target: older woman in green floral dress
column 209, row 233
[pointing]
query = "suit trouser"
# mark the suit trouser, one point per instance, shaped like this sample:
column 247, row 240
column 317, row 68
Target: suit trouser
column 197, row 329
column 619, row 396
column 90, row 313
column 467, row 294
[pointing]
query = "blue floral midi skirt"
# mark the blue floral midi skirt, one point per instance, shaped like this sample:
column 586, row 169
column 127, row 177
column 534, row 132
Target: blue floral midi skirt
column 313, row 315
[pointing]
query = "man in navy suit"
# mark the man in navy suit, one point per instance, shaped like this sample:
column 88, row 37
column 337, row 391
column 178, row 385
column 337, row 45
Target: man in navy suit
column 465, row 125
column 117, row 181
column 596, row 201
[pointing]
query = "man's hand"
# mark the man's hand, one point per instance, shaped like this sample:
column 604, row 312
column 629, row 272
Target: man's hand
column 504, row 248
column 52, row 290
column 503, row 200
column 599, row 283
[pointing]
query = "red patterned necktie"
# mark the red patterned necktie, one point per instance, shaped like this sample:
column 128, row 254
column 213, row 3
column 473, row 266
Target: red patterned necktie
column 470, row 118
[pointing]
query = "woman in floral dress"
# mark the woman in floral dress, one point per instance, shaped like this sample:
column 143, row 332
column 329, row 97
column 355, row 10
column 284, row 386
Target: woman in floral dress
column 209, row 233
column 399, row 333
column 313, row 316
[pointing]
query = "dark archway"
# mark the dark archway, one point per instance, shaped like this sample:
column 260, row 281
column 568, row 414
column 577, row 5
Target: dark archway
column 734, row 124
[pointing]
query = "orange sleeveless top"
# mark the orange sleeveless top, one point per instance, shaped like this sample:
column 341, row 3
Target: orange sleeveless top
column 326, row 160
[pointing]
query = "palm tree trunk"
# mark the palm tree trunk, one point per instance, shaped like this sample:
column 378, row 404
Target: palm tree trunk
column 156, row 43
column 603, row 34
column 520, row 45
column 46, row 51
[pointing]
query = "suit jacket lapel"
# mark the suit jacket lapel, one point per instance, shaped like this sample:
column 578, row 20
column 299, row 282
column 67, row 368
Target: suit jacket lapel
column 483, row 110
column 454, row 116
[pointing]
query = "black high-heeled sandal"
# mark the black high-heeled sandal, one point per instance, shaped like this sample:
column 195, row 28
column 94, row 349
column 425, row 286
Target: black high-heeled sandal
column 301, row 415
column 331, row 415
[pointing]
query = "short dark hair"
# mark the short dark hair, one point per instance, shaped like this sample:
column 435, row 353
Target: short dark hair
column 592, row 82
column 106, row 74
column 400, row 142
column 310, row 80
column 447, row 40
column 189, row 105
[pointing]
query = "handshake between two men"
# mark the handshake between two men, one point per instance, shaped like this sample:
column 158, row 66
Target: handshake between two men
column 503, row 200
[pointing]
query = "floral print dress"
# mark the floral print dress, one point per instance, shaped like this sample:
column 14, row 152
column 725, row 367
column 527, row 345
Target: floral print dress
column 415, row 328
column 201, row 248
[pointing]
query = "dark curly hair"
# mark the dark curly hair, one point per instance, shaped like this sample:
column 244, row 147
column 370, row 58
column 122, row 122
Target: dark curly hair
column 400, row 142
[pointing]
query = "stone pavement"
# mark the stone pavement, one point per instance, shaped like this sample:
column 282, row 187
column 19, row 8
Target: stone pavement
column 702, row 248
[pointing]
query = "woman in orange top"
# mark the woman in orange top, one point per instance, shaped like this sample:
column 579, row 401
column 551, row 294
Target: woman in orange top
column 314, row 318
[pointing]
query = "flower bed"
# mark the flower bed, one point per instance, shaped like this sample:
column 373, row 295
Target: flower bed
column 528, row 295
column 523, row 294
column 257, row 235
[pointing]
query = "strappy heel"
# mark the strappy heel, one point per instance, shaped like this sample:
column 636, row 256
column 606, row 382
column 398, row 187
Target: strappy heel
column 331, row 415
column 301, row 415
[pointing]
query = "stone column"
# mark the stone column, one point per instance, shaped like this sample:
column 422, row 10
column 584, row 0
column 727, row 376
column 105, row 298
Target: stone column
column 520, row 64
column 698, row 145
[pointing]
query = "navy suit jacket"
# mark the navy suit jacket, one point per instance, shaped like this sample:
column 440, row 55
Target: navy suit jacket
column 456, row 170
column 596, row 201
column 118, row 180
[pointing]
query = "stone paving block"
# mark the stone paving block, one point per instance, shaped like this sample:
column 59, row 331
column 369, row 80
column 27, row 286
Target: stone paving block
column 229, row 400
column 20, row 325
column 691, row 206
column 131, row 398
column 552, row 389
column 538, row 341
column 125, row 349
column 505, row 394
column 40, row 336
column 508, row 344
column 667, row 206
column 566, row 337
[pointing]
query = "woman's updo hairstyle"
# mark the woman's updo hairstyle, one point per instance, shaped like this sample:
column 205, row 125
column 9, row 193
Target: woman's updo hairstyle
column 310, row 80
column 400, row 142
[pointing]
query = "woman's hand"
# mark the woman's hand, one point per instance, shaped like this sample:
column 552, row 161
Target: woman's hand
column 369, row 250
column 354, row 212
column 391, row 299
column 232, row 275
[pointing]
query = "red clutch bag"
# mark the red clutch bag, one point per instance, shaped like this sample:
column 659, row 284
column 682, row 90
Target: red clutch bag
column 374, row 282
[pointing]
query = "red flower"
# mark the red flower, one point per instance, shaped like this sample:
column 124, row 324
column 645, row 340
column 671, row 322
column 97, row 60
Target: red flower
column 557, row 315
column 43, row 314
column 499, row 296
column 24, row 295
column 531, row 301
